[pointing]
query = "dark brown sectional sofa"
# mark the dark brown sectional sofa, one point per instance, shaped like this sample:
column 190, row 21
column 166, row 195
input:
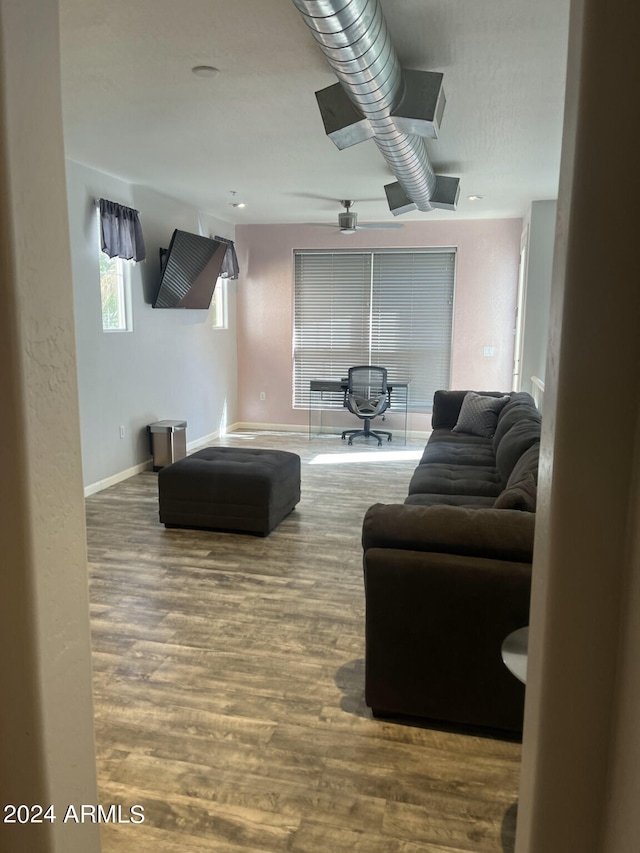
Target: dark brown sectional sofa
column 448, row 573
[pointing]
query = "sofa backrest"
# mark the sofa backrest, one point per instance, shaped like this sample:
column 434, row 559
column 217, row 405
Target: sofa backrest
column 520, row 407
column 447, row 405
column 527, row 464
column 522, row 435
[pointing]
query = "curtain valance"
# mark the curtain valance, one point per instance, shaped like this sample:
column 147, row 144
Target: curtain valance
column 121, row 232
column 230, row 267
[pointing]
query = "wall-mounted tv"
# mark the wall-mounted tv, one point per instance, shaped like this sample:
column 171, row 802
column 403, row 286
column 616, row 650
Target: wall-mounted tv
column 189, row 271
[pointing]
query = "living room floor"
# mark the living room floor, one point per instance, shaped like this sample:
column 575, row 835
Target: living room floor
column 229, row 679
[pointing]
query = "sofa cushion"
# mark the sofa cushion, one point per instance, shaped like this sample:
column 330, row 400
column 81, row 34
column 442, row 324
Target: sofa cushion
column 520, row 495
column 456, row 480
column 470, row 501
column 458, row 452
column 519, row 438
column 460, row 438
column 479, row 414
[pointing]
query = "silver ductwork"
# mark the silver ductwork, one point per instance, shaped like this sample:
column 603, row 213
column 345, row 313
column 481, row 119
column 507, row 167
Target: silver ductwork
column 376, row 100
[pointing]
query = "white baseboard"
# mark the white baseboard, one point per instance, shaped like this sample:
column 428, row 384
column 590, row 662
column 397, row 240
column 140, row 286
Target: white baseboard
column 197, row 444
column 418, row 435
column 269, row 427
column 415, row 435
column 98, row 486
column 117, row 478
column 206, row 440
column 203, row 441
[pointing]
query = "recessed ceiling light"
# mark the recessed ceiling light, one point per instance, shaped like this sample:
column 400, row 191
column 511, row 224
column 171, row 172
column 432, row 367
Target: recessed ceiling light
column 205, row 71
column 475, row 197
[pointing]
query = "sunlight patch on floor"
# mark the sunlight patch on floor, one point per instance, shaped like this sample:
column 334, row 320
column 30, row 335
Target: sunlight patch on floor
column 372, row 456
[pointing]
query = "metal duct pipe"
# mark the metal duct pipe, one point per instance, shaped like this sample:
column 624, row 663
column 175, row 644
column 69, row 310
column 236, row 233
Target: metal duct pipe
column 353, row 36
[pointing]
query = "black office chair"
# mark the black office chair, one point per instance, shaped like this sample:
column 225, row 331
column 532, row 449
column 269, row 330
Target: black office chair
column 367, row 396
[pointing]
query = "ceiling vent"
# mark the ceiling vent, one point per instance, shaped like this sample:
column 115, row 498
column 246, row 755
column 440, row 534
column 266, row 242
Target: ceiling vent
column 376, row 100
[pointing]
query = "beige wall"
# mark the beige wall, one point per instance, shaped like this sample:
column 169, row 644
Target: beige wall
column 486, row 283
column 46, row 717
column 581, row 771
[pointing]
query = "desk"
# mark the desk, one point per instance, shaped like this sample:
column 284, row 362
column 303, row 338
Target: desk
column 327, row 412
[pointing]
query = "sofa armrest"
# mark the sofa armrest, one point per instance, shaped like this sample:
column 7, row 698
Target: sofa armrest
column 499, row 534
column 435, row 624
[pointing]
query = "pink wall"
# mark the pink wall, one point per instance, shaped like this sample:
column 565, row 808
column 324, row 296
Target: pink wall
column 485, row 297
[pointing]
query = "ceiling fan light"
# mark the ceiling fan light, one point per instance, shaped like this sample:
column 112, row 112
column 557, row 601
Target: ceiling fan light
column 348, row 221
column 347, row 230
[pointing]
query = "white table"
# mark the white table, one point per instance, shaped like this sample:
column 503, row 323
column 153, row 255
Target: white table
column 515, row 652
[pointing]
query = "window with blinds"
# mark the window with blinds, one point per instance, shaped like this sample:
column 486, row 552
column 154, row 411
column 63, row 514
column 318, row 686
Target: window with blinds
column 393, row 309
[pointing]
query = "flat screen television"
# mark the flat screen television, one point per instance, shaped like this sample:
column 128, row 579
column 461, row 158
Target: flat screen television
column 189, row 270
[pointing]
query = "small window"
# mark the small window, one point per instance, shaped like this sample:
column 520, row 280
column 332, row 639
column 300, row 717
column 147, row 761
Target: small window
column 115, row 292
column 219, row 305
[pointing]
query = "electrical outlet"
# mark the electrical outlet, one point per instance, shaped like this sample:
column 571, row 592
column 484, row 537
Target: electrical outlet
column 263, row 396
column 488, row 351
column 122, row 430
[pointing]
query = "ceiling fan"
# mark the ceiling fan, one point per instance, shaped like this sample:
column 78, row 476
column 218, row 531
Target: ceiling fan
column 348, row 221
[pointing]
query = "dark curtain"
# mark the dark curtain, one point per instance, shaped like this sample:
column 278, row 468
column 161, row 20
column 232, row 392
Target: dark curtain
column 230, row 267
column 121, row 232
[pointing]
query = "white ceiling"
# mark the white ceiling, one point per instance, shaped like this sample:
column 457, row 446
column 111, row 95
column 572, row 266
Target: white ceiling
column 132, row 107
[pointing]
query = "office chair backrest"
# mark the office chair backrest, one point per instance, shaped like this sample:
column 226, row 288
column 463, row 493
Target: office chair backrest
column 368, row 381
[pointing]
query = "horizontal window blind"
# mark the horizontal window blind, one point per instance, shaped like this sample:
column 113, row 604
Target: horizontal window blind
column 411, row 319
column 393, row 309
column 331, row 317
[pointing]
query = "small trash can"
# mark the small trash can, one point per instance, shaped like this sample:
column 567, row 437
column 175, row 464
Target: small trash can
column 168, row 440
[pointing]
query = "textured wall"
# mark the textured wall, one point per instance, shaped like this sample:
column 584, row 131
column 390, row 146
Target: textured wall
column 47, row 752
column 580, row 775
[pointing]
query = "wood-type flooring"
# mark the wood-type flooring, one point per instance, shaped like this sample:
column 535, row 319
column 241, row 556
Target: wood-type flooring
column 229, row 676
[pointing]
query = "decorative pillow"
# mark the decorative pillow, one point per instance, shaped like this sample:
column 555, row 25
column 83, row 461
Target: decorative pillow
column 521, row 495
column 479, row 414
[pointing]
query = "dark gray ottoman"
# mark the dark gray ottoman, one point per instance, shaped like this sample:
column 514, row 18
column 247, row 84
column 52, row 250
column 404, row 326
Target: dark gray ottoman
column 227, row 488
